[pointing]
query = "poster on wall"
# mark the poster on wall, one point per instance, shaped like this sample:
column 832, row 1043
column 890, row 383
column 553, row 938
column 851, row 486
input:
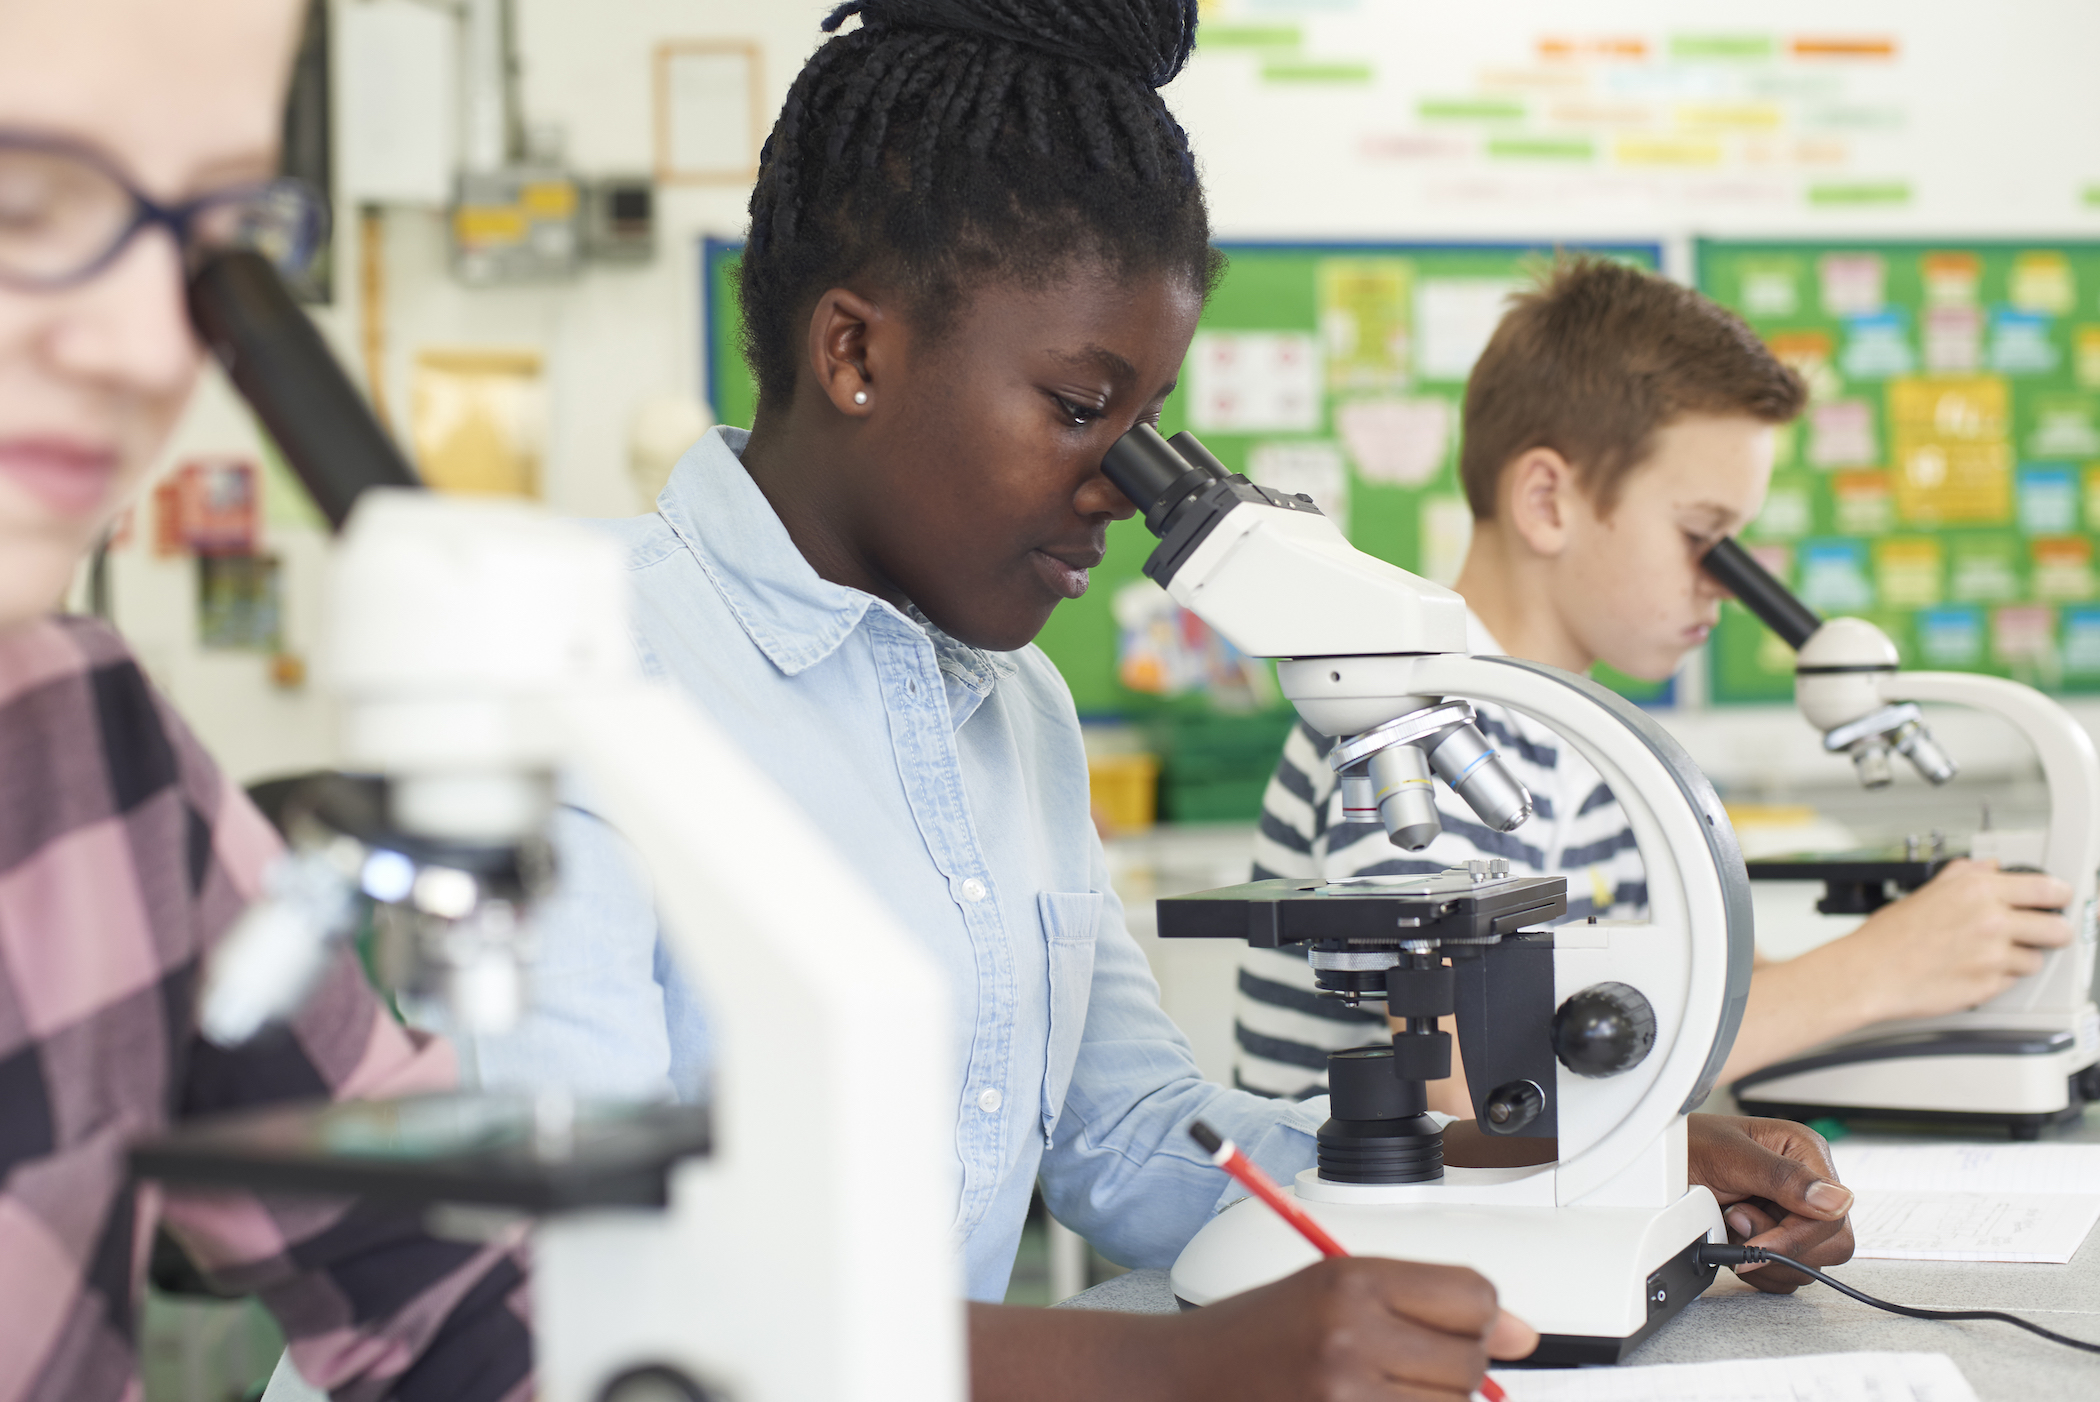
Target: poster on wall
column 1945, row 479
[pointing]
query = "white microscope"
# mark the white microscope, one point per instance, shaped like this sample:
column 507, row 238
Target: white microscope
column 791, row 1243
column 2028, row 1057
column 1600, row 1036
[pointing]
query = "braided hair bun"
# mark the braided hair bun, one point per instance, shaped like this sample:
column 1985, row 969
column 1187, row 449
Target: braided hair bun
column 1150, row 42
column 941, row 143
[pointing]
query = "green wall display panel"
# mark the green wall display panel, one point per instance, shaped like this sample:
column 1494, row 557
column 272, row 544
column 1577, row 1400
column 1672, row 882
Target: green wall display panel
column 1945, row 479
column 1335, row 370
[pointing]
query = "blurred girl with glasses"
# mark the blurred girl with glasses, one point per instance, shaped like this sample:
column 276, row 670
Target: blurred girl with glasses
column 134, row 133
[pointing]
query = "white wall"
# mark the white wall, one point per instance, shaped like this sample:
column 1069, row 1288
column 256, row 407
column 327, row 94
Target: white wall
column 1997, row 136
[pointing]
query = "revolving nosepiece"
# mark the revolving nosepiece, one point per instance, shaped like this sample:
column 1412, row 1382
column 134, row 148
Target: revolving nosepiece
column 1463, row 759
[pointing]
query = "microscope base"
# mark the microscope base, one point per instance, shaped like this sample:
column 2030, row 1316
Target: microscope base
column 2019, row 1078
column 1594, row 1281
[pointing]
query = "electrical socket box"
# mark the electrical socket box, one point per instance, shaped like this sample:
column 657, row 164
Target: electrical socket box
column 620, row 219
column 523, row 223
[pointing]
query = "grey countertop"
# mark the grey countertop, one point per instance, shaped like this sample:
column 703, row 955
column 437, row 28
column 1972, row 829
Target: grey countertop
column 1732, row 1320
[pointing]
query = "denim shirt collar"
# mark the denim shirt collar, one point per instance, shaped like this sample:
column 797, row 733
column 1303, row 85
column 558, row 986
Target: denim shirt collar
column 793, row 615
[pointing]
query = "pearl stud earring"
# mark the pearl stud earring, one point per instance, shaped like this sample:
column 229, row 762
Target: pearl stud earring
column 860, row 396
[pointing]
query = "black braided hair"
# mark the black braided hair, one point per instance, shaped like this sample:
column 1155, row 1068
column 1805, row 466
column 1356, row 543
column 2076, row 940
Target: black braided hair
column 947, row 141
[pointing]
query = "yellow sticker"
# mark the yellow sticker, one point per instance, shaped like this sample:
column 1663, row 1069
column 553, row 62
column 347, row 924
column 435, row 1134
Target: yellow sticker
column 481, row 226
column 1949, row 446
column 548, row 199
column 1366, row 319
column 2088, row 357
column 2041, row 282
column 1908, row 571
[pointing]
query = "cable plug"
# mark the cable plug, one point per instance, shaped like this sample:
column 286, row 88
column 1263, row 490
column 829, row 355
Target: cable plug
column 1720, row 1253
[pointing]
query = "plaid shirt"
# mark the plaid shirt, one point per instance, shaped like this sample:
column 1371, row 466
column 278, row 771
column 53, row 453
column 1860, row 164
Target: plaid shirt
column 124, row 856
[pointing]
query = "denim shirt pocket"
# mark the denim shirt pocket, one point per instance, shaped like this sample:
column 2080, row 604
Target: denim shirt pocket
column 1070, row 920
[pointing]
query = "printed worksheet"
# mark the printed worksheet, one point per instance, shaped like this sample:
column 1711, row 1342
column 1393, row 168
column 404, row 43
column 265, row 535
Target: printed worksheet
column 1970, row 1168
column 1971, row 1202
column 1822, row 1377
column 2035, row 1227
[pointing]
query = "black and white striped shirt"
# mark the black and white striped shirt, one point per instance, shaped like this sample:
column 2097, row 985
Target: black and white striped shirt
column 1283, row 1029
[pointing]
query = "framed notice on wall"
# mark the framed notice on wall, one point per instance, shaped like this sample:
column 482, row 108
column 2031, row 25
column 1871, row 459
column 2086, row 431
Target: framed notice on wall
column 709, row 122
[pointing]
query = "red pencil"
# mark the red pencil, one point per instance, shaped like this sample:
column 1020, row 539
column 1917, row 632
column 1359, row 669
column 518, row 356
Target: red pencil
column 1226, row 1155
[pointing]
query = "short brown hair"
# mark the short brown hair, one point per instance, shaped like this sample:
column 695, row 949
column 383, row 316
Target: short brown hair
column 1594, row 360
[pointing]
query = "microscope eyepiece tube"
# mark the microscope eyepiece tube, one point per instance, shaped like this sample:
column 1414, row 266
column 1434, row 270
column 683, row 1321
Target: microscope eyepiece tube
column 1158, row 475
column 1404, row 797
column 1737, row 571
column 1464, row 760
column 282, row 367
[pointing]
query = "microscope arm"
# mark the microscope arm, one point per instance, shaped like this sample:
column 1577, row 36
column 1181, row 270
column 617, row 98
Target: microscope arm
column 1371, row 648
column 1693, row 956
column 822, row 1153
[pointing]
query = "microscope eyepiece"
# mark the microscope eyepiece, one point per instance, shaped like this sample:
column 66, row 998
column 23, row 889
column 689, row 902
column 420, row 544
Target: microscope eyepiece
column 1158, row 474
column 282, row 367
column 1737, row 571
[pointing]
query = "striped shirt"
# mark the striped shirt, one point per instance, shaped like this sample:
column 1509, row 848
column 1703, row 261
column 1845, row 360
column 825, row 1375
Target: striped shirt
column 1283, row 1028
column 124, row 856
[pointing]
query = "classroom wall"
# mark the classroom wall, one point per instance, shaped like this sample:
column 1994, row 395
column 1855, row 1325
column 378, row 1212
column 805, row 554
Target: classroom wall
column 1313, row 119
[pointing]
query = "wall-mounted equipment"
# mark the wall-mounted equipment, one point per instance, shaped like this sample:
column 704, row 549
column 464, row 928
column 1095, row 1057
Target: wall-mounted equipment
column 523, row 223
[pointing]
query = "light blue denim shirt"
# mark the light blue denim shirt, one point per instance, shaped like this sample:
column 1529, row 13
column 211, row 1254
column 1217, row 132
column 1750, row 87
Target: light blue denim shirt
column 956, row 781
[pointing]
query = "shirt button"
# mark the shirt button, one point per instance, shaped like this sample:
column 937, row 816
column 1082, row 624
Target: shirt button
column 973, row 890
column 989, row 1100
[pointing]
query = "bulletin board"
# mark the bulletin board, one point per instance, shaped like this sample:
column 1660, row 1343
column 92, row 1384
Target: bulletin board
column 1332, row 369
column 1945, row 480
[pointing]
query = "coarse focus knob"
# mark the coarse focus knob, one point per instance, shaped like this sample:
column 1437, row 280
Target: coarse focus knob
column 1604, row 1030
column 1511, row 1107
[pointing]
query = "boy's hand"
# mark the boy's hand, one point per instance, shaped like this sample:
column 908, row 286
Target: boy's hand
column 1353, row 1328
column 1777, row 1189
column 1962, row 938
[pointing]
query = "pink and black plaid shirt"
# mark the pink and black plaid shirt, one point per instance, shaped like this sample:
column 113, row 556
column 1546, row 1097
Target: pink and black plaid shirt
column 124, row 855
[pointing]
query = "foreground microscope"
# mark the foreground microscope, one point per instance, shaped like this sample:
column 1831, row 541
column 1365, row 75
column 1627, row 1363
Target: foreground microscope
column 1598, row 1038
column 479, row 648
column 2026, row 1058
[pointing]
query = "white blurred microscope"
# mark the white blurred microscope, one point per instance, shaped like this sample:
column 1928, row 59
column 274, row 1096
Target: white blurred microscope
column 2029, row 1057
column 787, row 1242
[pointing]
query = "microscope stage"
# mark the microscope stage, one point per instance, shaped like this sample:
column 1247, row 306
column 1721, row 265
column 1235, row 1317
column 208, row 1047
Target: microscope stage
column 481, row 1150
column 1450, row 907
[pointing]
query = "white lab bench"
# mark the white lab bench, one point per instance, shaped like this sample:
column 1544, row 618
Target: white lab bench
column 1732, row 1320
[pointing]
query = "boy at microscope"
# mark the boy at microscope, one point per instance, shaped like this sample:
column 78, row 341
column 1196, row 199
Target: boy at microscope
column 1616, row 427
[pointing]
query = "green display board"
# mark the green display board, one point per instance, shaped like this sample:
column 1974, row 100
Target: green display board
column 1945, row 480
column 1336, row 370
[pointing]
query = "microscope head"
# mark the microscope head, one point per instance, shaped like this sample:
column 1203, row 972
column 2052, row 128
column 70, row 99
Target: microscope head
column 1840, row 668
column 1311, row 594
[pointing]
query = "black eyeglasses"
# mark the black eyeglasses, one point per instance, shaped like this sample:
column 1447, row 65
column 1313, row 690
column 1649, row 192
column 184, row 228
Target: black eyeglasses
column 66, row 213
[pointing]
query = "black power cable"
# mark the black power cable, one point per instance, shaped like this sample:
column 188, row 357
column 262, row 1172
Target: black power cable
column 1713, row 1254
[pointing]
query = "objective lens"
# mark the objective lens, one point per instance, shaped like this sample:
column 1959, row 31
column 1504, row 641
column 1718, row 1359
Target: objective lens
column 1406, row 801
column 1464, row 760
column 1359, row 803
column 1917, row 744
column 1870, row 759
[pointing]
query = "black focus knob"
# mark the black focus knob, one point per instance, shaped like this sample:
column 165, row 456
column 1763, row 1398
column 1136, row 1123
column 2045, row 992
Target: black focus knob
column 1605, row 1029
column 1511, row 1107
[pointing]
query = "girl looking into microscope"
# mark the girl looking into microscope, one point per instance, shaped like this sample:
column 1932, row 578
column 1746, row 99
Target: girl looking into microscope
column 977, row 253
